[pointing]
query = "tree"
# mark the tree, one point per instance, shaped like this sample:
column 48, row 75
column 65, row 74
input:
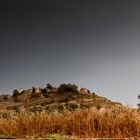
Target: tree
column 16, row 93
column 139, row 99
column 33, row 89
column 49, row 86
column 68, row 88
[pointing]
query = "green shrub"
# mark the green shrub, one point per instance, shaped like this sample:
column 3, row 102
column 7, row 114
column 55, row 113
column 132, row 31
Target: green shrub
column 98, row 106
column 49, row 86
column 68, row 88
column 44, row 90
column 138, row 103
column 74, row 106
column 5, row 115
column 71, row 106
column 33, row 89
column 5, row 97
column 93, row 94
column 16, row 108
column 16, row 93
column 35, row 109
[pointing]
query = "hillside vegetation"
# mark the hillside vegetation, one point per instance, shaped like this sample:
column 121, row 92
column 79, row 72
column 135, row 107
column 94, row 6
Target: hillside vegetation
column 65, row 111
column 50, row 99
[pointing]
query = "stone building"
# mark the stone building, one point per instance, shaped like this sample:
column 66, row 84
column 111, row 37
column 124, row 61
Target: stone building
column 36, row 89
column 84, row 91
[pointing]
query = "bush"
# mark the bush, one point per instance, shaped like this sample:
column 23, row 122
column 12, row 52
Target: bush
column 16, row 109
column 68, row 88
column 44, row 90
column 98, row 106
column 35, row 109
column 49, row 86
column 74, row 106
column 16, row 93
column 5, row 115
column 71, row 106
column 5, row 97
column 139, row 103
column 33, row 90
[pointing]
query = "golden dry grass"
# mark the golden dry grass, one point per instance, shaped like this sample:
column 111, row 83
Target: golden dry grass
column 80, row 123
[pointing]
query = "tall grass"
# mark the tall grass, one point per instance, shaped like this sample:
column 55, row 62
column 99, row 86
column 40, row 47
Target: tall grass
column 80, row 123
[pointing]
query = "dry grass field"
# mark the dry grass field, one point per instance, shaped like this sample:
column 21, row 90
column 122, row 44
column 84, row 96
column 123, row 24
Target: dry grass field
column 43, row 113
column 79, row 123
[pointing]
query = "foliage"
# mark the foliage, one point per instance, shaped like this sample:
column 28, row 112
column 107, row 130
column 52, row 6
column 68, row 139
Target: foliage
column 5, row 115
column 74, row 106
column 16, row 108
column 98, row 106
column 56, row 136
column 33, row 89
column 139, row 99
column 68, row 88
column 49, row 86
column 16, row 93
column 35, row 109
column 44, row 91
column 5, row 97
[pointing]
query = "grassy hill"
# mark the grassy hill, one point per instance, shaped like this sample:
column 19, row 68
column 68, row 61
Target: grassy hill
column 65, row 111
column 52, row 99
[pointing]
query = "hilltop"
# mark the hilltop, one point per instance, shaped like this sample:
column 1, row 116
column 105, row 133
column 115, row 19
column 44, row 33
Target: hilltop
column 51, row 98
column 65, row 111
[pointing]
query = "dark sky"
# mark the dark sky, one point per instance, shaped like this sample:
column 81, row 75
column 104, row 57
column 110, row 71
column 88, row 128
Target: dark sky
column 92, row 43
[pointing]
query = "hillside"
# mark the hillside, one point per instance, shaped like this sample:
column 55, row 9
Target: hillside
column 53, row 99
column 65, row 111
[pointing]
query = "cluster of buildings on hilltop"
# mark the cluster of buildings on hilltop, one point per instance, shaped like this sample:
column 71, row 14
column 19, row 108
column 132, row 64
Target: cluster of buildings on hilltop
column 51, row 89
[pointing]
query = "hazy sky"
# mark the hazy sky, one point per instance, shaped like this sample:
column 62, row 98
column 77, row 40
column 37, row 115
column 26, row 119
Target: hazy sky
column 92, row 43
